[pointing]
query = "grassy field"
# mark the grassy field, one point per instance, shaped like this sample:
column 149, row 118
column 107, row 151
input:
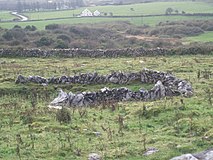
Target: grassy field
column 137, row 9
column 5, row 15
column 206, row 37
column 29, row 130
column 152, row 21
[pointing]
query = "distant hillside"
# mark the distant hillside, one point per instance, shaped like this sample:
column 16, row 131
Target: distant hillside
column 102, row 2
column 36, row 5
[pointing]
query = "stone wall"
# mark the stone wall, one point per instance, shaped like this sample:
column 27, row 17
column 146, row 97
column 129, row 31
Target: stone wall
column 165, row 85
column 129, row 52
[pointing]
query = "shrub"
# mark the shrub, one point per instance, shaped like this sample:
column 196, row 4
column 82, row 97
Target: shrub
column 75, row 30
column 30, row 28
column 63, row 115
column 44, row 41
column 8, row 36
column 15, row 43
column 52, row 26
column 134, row 31
column 62, row 45
column 18, row 33
column 64, row 37
column 17, row 26
column 175, row 30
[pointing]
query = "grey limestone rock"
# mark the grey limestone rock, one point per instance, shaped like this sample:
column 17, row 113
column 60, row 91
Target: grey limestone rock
column 185, row 157
column 205, row 155
column 21, row 79
column 166, row 84
column 94, row 156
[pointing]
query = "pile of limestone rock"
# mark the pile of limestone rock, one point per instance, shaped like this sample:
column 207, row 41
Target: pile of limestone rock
column 172, row 84
column 165, row 85
column 86, row 78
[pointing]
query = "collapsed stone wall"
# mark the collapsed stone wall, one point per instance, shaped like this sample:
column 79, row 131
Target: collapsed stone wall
column 129, row 52
column 166, row 84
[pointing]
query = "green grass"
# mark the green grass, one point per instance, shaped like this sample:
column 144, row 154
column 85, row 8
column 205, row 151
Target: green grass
column 168, row 125
column 41, row 24
column 206, row 37
column 139, row 9
column 152, row 21
column 5, row 15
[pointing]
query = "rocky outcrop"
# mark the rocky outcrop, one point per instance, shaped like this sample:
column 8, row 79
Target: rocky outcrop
column 165, row 85
column 205, row 155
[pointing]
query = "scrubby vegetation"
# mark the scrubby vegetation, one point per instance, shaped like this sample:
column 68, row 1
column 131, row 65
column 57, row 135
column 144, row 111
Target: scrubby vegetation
column 182, row 28
column 104, row 36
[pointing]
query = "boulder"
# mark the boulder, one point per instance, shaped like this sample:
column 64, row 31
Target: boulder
column 21, row 79
column 185, row 157
column 114, row 79
column 61, row 100
column 94, row 156
column 205, row 155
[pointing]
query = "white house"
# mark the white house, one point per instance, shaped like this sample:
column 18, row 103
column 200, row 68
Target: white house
column 86, row 13
column 97, row 13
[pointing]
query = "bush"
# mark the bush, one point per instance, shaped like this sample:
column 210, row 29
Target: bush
column 18, row 33
column 17, row 26
column 8, row 36
column 44, row 41
column 61, row 45
column 63, row 115
column 64, row 37
column 30, row 28
column 15, row 43
column 133, row 31
column 175, row 30
column 52, row 26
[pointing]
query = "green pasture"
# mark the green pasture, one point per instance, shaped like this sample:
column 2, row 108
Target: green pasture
column 206, row 37
column 174, row 126
column 152, row 21
column 41, row 24
column 5, row 15
column 130, row 10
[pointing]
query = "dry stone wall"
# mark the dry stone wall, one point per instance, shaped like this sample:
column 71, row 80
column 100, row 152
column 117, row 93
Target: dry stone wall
column 129, row 52
column 166, row 84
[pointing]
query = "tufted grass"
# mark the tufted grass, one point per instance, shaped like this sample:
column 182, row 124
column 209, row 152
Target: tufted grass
column 167, row 124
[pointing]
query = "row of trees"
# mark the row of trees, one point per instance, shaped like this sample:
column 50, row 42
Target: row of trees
column 23, row 5
column 171, row 10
